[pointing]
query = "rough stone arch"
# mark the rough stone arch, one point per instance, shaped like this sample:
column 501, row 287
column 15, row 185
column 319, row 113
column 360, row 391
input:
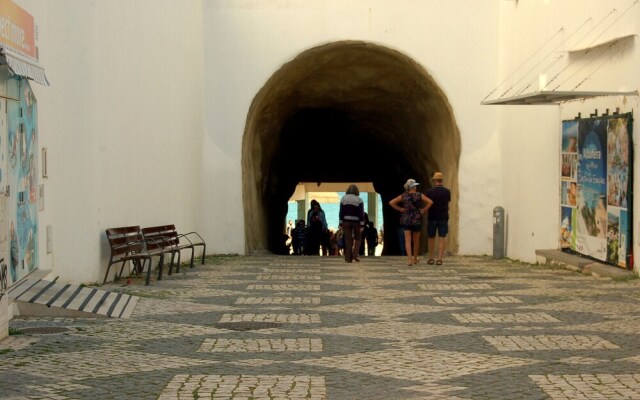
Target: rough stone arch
column 344, row 112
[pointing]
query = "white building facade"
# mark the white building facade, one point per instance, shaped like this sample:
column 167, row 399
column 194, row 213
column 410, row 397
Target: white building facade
column 151, row 104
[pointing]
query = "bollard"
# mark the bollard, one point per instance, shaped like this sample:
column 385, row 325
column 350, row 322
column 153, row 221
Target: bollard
column 499, row 250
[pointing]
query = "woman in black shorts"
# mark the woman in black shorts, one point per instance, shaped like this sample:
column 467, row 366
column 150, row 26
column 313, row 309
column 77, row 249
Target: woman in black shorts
column 414, row 205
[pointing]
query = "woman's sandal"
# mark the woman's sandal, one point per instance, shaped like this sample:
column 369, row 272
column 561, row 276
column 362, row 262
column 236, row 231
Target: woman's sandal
column 439, row 262
column 431, row 261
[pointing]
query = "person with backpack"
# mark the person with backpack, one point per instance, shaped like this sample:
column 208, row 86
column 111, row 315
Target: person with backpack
column 298, row 238
column 351, row 222
column 371, row 234
column 316, row 229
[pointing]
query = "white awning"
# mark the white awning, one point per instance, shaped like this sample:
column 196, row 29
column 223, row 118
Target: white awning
column 23, row 66
column 552, row 97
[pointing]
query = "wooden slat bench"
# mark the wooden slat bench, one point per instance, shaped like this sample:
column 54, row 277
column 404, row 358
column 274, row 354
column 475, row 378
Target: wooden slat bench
column 166, row 237
column 127, row 243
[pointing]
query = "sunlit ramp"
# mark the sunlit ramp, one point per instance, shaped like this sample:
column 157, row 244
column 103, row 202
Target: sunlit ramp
column 41, row 298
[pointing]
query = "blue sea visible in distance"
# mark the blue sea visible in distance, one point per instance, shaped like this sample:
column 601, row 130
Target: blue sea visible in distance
column 331, row 211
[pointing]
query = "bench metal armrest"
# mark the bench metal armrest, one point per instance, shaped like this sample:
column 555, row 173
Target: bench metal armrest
column 185, row 236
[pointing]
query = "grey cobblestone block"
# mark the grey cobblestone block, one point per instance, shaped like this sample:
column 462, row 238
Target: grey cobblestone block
column 504, row 318
column 277, row 300
column 590, row 386
column 280, row 318
column 292, row 270
column 288, row 277
column 256, row 387
column 477, row 300
column 15, row 343
column 549, row 342
column 261, row 345
column 453, row 287
column 285, row 287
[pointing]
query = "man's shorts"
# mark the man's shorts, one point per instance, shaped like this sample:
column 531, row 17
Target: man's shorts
column 441, row 226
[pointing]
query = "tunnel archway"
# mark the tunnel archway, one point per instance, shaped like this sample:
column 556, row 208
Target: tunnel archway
column 345, row 112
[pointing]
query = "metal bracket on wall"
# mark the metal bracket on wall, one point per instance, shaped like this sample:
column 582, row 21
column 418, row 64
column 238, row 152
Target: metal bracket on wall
column 3, row 277
column 44, row 163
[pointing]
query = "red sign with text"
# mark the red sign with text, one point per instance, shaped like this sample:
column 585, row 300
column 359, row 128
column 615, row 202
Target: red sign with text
column 17, row 29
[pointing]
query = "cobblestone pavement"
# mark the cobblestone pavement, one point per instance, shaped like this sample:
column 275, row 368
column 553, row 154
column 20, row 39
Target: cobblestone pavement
column 318, row 328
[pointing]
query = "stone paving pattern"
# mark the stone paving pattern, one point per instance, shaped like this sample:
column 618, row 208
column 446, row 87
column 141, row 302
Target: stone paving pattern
column 474, row 328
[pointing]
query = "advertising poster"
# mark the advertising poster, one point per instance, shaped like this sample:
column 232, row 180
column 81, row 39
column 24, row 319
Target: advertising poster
column 594, row 187
column 613, row 237
column 567, row 233
column 618, row 165
column 22, row 207
column 568, row 184
column 623, row 241
column 592, row 183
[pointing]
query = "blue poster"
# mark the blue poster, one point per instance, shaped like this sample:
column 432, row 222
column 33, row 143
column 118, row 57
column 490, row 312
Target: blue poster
column 591, row 232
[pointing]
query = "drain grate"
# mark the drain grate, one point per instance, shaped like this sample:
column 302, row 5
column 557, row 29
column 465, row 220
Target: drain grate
column 43, row 330
column 247, row 326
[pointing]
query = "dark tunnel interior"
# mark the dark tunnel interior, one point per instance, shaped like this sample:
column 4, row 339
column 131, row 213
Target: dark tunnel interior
column 329, row 145
column 345, row 112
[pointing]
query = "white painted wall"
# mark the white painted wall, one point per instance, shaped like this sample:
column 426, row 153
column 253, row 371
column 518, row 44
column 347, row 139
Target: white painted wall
column 122, row 121
column 247, row 41
column 530, row 135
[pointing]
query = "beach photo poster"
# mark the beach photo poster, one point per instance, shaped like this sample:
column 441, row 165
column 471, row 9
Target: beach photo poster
column 591, row 229
column 567, row 233
column 570, row 136
column 617, row 162
column 569, row 193
column 613, row 236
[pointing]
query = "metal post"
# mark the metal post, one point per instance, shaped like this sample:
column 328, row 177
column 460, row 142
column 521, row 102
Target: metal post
column 499, row 250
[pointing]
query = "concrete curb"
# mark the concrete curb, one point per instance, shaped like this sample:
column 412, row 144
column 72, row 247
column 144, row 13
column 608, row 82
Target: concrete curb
column 582, row 265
